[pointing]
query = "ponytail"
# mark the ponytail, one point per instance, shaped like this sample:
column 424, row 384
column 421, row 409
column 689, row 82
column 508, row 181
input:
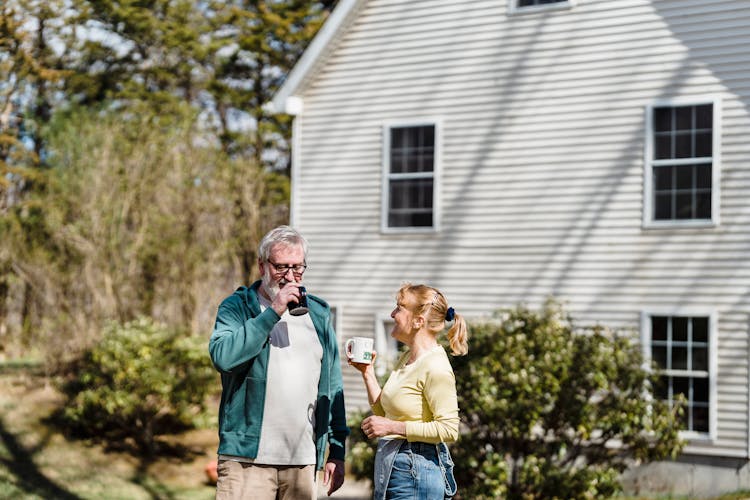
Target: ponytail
column 458, row 336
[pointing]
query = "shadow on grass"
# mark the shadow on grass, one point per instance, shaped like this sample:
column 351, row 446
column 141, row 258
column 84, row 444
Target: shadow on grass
column 21, row 464
column 142, row 479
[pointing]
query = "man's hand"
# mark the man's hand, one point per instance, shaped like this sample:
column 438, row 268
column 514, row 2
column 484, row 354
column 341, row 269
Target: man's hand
column 333, row 474
column 289, row 292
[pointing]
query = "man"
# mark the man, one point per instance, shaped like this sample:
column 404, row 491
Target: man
column 282, row 396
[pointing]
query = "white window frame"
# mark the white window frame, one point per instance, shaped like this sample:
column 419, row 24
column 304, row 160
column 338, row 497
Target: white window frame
column 337, row 311
column 436, row 176
column 514, row 8
column 649, row 162
column 385, row 345
column 711, row 314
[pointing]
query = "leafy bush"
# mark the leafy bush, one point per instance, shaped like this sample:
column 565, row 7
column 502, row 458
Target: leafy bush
column 360, row 450
column 553, row 413
column 140, row 381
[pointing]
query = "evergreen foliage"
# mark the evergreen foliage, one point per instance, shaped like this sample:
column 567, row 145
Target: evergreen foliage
column 27, row 78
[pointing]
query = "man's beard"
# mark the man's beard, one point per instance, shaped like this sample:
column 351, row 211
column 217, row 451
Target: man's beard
column 270, row 285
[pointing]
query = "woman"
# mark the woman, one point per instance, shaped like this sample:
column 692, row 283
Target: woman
column 416, row 411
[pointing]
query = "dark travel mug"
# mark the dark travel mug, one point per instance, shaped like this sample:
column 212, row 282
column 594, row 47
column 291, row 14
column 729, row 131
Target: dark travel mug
column 299, row 308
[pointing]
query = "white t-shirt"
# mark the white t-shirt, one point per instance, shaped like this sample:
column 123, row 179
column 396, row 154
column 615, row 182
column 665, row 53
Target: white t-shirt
column 287, row 433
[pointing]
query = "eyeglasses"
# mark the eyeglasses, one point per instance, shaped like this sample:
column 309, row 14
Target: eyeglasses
column 297, row 269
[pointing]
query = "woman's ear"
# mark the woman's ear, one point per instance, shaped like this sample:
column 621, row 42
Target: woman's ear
column 418, row 322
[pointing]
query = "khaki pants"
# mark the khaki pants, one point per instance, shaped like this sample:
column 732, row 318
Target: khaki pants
column 241, row 480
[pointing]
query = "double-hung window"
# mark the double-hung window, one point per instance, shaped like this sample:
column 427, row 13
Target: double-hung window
column 529, row 3
column 682, row 164
column 681, row 347
column 519, row 6
column 410, row 177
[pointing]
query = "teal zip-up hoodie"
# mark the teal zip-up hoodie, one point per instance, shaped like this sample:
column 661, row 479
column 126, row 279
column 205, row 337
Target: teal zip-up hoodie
column 239, row 348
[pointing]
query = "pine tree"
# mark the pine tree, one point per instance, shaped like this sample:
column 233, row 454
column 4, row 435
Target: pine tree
column 261, row 42
column 27, row 80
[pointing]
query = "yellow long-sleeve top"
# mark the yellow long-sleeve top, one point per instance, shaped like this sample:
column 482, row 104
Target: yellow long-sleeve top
column 422, row 394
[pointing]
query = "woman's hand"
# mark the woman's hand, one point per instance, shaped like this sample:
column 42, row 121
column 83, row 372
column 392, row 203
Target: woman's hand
column 363, row 368
column 375, row 426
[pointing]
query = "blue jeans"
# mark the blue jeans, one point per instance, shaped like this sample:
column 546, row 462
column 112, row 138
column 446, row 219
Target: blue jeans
column 416, row 474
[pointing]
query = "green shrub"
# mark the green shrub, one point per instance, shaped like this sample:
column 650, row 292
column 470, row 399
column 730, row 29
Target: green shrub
column 360, row 450
column 552, row 413
column 140, row 381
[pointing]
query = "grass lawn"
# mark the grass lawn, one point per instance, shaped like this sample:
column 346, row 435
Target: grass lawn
column 38, row 462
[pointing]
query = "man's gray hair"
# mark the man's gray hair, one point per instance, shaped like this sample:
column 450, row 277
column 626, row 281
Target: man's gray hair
column 283, row 235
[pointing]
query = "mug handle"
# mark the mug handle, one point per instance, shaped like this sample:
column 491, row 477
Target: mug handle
column 348, row 348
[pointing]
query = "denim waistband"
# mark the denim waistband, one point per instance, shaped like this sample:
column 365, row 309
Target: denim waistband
column 424, row 449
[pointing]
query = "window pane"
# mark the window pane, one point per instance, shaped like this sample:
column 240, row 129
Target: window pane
column 414, row 163
column 662, row 119
column 398, row 163
column 398, row 220
column 659, row 356
column 663, row 178
column 704, row 116
column 397, row 196
column 411, row 137
column 700, row 358
column 428, row 136
column 703, row 206
column 700, row 419
column 659, row 327
column 700, row 329
column 663, row 146
column 703, row 146
column 683, row 117
column 680, row 328
column 421, row 220
column 397, row 138
column 684, row 206
column 683, row 146
column 663, row 207
column 681, row 385
column 700, row 390
column 703, row 176
column 684, row 177
column 679, row 358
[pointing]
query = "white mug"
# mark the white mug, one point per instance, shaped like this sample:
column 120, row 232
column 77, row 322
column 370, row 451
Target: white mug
column 359, row 349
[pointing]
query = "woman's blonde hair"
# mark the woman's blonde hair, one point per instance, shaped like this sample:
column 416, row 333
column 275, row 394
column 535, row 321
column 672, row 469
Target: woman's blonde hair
column 432, row 304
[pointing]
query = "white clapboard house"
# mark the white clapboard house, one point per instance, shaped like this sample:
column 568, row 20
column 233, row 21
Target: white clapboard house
column 596, row 151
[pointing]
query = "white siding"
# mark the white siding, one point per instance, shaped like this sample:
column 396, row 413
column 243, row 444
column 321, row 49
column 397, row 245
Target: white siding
column 542, row 119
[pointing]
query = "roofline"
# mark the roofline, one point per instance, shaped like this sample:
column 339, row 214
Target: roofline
column 302, row 69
